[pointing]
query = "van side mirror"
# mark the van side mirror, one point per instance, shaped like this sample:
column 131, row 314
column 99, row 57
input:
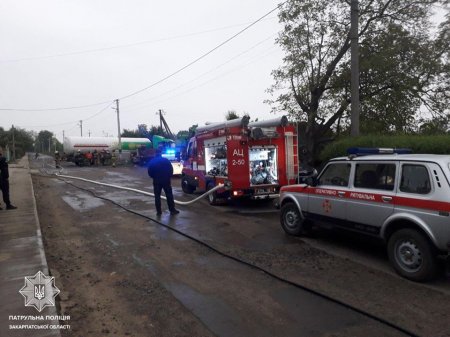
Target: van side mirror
column 308, row 176
column 311, row 181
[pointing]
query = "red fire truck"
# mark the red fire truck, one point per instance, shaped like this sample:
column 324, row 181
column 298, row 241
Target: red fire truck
column 254, row 158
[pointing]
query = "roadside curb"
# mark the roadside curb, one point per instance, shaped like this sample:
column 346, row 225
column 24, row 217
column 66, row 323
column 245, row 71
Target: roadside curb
column 22, row 256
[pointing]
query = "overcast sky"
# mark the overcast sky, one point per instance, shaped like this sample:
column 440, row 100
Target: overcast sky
column 50, row 58
column 61, row 53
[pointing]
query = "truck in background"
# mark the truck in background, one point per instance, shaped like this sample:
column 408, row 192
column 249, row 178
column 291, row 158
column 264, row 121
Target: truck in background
column 73, row 146
column 168, row 149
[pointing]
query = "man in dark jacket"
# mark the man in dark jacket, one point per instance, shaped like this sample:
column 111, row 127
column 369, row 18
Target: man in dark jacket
column 4, row 182
column 160, row 170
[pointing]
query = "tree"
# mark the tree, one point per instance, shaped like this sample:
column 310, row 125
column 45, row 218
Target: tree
column 44, row 142
column 231, row 114
column 23, row 140
column 158, row 131
column 437, row 125
column 185, row 135
column 140, row 132
column 402, row 66
column 399, row 73
column 129, row 133
column 143, row 131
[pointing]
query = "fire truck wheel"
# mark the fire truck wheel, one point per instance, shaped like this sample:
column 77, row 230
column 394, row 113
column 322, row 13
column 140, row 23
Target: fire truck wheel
column 188, row 189
column 412, row 255
column 291, row 219
column 212, row 198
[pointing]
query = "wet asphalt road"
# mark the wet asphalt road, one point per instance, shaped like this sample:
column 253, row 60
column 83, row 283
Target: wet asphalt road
column 234, row 300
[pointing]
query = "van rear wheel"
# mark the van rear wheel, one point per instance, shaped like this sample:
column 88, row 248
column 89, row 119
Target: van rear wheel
column 412, row 255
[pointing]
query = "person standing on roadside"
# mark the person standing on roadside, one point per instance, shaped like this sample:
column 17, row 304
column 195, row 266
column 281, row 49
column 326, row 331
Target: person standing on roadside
column 113, row 158
column 57, row 159
column 160, row 170
column 4, row 181
column 89, row 157
column 95, row 158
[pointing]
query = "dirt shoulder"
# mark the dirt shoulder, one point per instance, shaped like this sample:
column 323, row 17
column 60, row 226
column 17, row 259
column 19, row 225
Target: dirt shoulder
column 103, row 295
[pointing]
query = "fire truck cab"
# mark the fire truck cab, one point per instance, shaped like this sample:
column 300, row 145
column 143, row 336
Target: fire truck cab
column 253, row 159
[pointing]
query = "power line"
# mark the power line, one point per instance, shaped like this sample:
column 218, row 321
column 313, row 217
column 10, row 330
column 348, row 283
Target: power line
column 48, row 126
column 95, row 50
column 251, row 61
column 99, row 112
column 202, row 56
column 203, row 74
column 164, row 78
column 56, row 109
column 72, row 122
column 214, row 78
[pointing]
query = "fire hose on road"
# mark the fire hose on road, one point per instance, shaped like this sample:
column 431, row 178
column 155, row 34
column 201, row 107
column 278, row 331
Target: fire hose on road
column 183, row 203
column 178, row 202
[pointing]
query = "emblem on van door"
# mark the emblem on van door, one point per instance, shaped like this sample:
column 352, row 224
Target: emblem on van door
column 326, row 205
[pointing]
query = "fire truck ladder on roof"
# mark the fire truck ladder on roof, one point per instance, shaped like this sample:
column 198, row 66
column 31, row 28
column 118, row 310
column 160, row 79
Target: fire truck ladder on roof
column 292, row 163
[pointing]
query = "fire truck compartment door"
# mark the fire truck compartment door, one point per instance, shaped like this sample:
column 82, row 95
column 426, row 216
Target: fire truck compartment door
column 215, row 141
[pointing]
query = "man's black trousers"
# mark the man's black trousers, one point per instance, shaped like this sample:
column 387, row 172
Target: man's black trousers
column 157, row 188
column 4, row 186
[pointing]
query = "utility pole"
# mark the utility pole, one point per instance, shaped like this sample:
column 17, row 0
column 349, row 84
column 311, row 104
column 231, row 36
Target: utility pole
column 50, row 145
column 89, row 133
column 13, row 143
column 118, row 124
column 160, row 119
column 81, row 127
column 354, row 50
column 64, row 136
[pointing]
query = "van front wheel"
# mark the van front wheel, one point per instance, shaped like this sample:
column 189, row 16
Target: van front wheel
column 291, row 220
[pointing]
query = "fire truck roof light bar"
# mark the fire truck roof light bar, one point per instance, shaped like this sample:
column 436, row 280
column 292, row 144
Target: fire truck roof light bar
column 363, row 151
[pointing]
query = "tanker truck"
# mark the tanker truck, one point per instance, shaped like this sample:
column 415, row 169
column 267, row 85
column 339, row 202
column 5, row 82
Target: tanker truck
column 128, row 147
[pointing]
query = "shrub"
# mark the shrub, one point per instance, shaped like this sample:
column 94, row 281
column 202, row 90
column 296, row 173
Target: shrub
column 439, row 144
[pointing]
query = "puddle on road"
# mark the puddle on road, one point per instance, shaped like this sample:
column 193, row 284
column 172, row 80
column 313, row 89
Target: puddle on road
column 218, row 316
column 315, row 310
column 122, row 179
column 125, row 198
column 81, row 201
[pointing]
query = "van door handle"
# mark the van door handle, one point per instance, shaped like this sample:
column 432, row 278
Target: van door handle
column 386, row 198
column 341, row 194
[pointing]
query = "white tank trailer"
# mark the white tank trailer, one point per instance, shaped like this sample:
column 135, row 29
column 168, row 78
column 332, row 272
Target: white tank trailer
column 86, row 144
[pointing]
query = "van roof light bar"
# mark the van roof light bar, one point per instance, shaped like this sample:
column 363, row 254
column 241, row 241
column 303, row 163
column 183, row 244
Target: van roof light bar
column 363, row 151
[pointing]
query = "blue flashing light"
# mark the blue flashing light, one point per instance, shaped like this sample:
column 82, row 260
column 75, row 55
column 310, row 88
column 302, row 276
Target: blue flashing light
column 363, row 151
column 169, row 154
